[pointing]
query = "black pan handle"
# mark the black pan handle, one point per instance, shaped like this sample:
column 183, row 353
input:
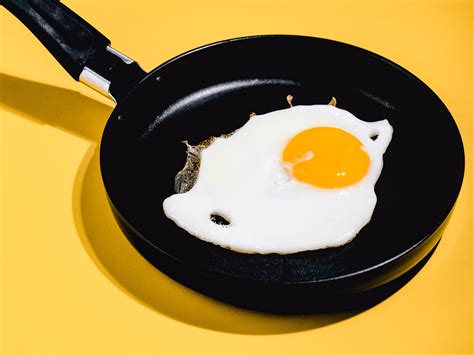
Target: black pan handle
column 82, row 50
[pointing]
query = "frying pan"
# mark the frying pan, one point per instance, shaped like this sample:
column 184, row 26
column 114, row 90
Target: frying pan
column 210, row 91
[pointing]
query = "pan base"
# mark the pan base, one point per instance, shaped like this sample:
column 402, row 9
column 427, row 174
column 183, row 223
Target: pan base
column 283, row 298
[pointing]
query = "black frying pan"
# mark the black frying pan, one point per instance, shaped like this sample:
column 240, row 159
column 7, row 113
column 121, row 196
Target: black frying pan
column 210, row 91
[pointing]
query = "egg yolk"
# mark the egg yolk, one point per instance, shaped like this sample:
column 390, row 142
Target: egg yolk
column 326, row 157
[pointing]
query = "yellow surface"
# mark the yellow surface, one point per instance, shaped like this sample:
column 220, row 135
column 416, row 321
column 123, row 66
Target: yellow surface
column 70, row 282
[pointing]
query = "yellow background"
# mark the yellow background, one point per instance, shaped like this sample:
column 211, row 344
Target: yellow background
column 71, row 283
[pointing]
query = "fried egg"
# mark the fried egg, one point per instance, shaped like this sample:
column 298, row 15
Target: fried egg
column 287, row 181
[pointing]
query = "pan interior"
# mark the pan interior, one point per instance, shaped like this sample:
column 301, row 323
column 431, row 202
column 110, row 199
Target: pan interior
column 212, row 91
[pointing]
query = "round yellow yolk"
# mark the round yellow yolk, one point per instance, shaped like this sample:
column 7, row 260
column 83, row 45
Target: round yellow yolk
column 326, row 157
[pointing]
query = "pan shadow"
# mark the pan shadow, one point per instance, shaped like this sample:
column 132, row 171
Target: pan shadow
column 107, row 246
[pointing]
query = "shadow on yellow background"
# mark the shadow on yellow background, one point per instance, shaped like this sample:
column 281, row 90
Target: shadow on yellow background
column 105, row 243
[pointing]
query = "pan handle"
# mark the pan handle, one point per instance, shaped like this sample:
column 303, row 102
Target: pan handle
column 82, row 50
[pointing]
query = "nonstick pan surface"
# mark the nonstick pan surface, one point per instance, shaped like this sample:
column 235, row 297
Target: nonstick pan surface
column 211, row 91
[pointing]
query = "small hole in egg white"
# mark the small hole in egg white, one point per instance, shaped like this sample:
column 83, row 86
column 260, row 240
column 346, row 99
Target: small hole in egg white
column 219, row 219
column 374, row 135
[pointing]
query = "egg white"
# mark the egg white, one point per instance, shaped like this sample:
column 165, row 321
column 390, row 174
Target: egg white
column 243, row 179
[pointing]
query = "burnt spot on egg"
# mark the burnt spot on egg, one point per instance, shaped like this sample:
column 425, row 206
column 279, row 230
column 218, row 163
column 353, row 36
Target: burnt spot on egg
column 186, row 177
